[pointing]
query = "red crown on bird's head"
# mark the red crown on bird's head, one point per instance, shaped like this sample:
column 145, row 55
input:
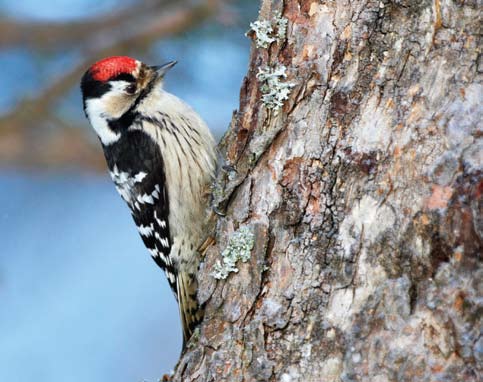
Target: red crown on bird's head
column 110, row 67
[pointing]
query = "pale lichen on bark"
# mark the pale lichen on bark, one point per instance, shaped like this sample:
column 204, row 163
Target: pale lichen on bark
column 269, row 31
column 275, row 90
column 364, row 194
column 238, row 249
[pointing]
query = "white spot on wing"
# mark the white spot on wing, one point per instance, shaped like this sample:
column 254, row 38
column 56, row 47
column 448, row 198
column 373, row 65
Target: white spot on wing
column 146, row 230
column 164, row 241
column 139, row 177
column 171, row 277
column 154, row 253
column 162, row 223
column 145, row 199
column 164, row 258
column 124, row 183
column 123, row 177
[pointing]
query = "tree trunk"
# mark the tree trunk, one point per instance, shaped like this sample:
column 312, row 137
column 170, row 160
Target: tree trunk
column 349, row 249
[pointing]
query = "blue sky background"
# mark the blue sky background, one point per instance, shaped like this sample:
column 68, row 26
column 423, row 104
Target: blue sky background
column 54, row 10
column 80, row 298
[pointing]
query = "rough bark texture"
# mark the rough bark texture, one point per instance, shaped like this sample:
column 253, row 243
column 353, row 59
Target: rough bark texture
column 364, row 197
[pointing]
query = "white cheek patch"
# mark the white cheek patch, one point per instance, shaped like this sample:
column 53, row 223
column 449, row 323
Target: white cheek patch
column 98, row 119
column 99, row 110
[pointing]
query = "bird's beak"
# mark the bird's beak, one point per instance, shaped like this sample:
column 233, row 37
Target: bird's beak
column 163, row 69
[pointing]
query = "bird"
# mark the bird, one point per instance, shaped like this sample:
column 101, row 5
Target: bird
column 162, row 158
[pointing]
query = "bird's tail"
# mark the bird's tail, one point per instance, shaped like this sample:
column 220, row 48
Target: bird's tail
column 190, row 311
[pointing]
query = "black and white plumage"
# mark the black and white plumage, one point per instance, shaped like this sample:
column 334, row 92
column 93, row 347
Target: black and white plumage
column 161, row 158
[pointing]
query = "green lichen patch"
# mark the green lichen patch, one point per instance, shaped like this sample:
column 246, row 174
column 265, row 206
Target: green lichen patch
column 281, row 26
column 273, row 88
column 239, row 248
column 268, row 31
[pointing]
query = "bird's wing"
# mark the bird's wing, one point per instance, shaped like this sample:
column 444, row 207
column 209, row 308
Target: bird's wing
column 150, row 208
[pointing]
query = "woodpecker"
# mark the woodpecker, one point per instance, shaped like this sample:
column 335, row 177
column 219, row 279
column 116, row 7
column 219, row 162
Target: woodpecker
column 161, row 158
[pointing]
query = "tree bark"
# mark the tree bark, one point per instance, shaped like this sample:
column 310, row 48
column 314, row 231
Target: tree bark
column 360, row 199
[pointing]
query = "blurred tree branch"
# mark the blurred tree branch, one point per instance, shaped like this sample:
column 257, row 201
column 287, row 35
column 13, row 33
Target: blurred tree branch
column 134, row 26
column 40, row 35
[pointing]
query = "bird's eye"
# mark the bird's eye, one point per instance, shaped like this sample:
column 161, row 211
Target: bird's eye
column 131, row 89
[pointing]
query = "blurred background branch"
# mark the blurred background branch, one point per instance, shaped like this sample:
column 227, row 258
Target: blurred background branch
column 26, row 134
column 47, row 35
